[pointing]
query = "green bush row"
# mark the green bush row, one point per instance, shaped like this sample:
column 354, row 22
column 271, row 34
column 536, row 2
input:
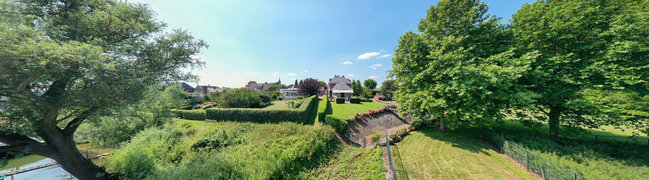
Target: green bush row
column 355, row 100
column 189, row 114
column 340, row 125
column 324, row 109
column 299, row 115
column 340, row 100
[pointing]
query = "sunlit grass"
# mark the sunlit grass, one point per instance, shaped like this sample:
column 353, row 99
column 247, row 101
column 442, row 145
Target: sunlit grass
column 345, row 110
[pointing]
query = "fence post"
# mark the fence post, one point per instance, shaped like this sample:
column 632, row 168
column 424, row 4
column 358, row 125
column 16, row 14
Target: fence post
column 575, row 177
column 527, row 160
column 387, row 145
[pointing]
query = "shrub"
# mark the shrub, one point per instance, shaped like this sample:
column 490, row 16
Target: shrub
column 240, row 98
column 192, row 114
column 324, row 109
column 340, row 100
column 176, row 113
column 265, row 99
column 355, row 100
column 376, row 137
column 299, row 115
column 299, row 97
column 366, row 100
column 216, row 140
column 398, row 135
column 340, row 125
column 132, row 164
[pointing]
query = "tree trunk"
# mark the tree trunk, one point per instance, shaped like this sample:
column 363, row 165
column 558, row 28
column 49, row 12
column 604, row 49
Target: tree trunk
column 442, row 125
column 554, row 119
column 75, row 163
column 65, row 152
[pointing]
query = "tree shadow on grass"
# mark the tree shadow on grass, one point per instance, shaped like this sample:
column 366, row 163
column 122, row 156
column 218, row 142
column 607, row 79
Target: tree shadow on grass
column 466, row 139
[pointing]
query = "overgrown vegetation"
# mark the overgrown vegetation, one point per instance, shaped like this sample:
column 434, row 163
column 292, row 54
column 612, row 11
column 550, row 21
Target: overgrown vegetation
column 593, row 159
column 350, row 163
column 121, row 124
column 227, row 150
column 242, row 98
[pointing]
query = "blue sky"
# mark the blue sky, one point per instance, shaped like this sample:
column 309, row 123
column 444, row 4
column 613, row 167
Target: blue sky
column 264, row 40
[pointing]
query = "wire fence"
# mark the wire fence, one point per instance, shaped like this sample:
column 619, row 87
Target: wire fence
column 532, row 161
column 396, row 161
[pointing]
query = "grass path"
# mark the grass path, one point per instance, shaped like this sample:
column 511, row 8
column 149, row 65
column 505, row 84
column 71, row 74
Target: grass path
column 431, row 154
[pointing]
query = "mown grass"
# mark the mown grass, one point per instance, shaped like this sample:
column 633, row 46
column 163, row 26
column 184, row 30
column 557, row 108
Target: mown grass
column 248, row 151
column 277, row 105
column 350, row 163
column 431, row 154
column 345, row 110
column 616, row 158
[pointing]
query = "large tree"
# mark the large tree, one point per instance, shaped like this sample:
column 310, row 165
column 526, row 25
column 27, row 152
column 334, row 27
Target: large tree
column 357, row 87
column 457, row 68
column 62, row 62
column 309, row 86
column 370, row 83
column 593, row 63
column 388, row 85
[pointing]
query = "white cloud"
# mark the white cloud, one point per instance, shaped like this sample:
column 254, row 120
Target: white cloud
column 350, row 75
column 275, row 73
column 384, row 56
column 373, row 77
column 348, row 62
column 376, row 66
column 291, row 74
column 368, row 55
column 305, row 71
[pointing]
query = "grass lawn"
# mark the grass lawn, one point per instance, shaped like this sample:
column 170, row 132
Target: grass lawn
column 605, row 133
column 277, row 105
column 431, row 154
column 350, row 163
column 344, row 110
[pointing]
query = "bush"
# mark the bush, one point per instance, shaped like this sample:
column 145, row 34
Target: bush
column 240, row 98
column 299, row 97
column 216, row 140
column 355, row 100
column 366, row 100
column 376, row 136
column 340, row 125
column 299, row 115
column 132, row 164
column 191, row 114
column 398, row 136
column 324, row 109
column 265, row 99
column 340, row 100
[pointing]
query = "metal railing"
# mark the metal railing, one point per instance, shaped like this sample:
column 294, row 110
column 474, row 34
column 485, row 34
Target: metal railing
column 387, row 144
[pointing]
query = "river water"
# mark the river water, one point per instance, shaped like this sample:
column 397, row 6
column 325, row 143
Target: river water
column 48, row 173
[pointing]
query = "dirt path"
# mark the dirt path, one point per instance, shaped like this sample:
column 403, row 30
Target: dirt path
column 360, row 130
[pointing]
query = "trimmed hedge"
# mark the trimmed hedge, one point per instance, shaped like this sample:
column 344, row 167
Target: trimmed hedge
column 324, row 109
column 340, row 100
column 299, row 115
column 340, row 125
column 355, row 100
column 189, row 114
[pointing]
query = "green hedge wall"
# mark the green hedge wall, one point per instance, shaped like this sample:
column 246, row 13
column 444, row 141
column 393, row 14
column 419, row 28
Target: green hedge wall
column 299, row 115
column 324, row 109
column 355, row 100
column 340, row 100
column 340, row 125
column 189, row 114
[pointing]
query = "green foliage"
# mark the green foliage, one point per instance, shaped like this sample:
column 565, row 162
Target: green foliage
column 355, row 100
column 584, row 46
column 299, row 115
column 398, row 135
column 388, row 86
column 122, row 124
column 217, row 139
column 192, row 114
column 340, row 100
column 340, row 125
column 66, row 61
column 350, row 163
column 370, row 83
column 276, row 87
column 324, row 109
column 357, row 87
column 270, row 151
column 132, row 164
column 374, row 138
column 593, row 159
column 240, row 98
column 457, row 66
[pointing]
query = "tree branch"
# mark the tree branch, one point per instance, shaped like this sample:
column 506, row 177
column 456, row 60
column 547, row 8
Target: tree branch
column 15, row 138
column 72, row 126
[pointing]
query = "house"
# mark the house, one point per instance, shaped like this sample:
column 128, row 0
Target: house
column 340, row 87
column 290, row 92
column 252, row 85
column 207, row 90
column 187, row 88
